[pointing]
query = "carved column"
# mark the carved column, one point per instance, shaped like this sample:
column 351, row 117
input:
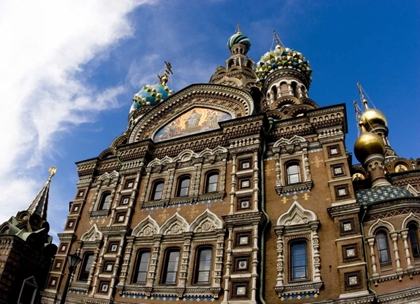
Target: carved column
column 228, row 266
column 95, row 198
column 146, row 186
column 217, row 273
column 233, row 187
column 126, row 262
column 280, row 257
column 371, row 242
column 316, row 255
column 278, row 170
column 197, row 179
column 154, row 260
column 168, row 186
column 404, row 235
column 394, row 237
column 185, row 259
column 254, row 263
column 256, row 181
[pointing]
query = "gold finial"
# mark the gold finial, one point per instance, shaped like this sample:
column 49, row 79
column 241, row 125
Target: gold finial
column 362, row 96
column 52, row 171
column 238, row 29
column 164, row 78
column 278, row 41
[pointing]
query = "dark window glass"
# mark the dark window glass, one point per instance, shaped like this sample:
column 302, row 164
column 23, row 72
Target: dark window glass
column 171, row 267
column 203, row 265
column 142, row 266
column 212, row 180
column 86, row 266
column 183, row 187
column 412, row 233
column 298, row 261
column 293, row 173
column 383, row 248
column 157, row 191
column 105, row 201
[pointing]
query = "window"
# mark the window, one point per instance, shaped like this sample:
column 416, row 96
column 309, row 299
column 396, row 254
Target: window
column 105, row 201
column 103, row 287
column 183, row 186
column 298, row 261
column 333, row 151
column 352, row 280
column 337, row 170
column 157, row 190
column 113, row 246
column 120, row 217
column 347, row 226
column 171, row 266
column 75, row 208
column 203, row 266
column 414, row 239
column 86, row 266
column 142, row 267
column 241, row 263
column 108, row 266
column 240, row 289
column 242, row 238
column 245, row 164
column 383, row 247
column 129, row 184
column 244, row 203
column 293, row 173
column 341, row 191
column 245, row 183
column 350, row 252
column 212, row 181
column 124, row 200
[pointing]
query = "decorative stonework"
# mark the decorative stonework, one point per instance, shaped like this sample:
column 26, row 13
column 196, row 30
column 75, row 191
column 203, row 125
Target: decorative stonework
column 146, row 228
column 92, row 235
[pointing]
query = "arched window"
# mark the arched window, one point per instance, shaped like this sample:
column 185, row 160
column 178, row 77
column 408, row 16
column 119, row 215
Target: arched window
column 298, row 261
column 293, row 173
column 157, row 190
column 203, row 265
column 414, row 239
column 171, row 266
column 86, row 266
column 383, row 247
column 183, row 186
column 274, row 92
column 105, row 201
column 212, row 180
column 294, row 88
column 142, row 266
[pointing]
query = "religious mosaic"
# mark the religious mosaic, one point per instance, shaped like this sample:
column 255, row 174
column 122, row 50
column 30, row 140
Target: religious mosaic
column 194, row 121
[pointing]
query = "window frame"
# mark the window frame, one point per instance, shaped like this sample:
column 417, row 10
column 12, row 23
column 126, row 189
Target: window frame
column 337, row 189
column 165, row 271
column 180, row 187
column 86, row 266
column 243, row 199
column 413, row 233
column 103, row 203
column 198, row 270
column 383, row 233
column 209, row 175
column 140, row 255
column 156, row 184
column 292, row 259
column 244, row 161
column 288, row 165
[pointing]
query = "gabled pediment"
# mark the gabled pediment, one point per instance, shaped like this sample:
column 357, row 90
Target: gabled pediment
column 196, row 109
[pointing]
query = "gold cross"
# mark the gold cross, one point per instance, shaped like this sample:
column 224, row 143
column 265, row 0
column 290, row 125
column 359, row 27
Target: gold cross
column 284, row 199
column 316, row 161
column 306, row 196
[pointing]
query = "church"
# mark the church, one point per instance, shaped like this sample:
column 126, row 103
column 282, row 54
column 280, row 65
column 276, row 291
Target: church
column 242, row 190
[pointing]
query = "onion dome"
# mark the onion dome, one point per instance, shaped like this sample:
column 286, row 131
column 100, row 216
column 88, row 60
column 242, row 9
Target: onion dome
column 372, row 118
column 150, row 95
column 283, row 58
column 368, row 144
column 239, row 38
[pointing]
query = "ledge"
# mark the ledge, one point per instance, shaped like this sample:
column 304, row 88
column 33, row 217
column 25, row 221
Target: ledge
column 305, row 186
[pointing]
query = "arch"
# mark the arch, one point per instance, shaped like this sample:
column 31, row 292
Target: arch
column 28, row 290
column 92, row 235
column 410, row 218
column 183, row 185
column 176, row 224
column 211, row 181
column 205, row 222
column 296, row 215
column 295, row 140
column 110, row 152
column 107, row 175
column 157, row 189
column 147, row 227
column 378, row 224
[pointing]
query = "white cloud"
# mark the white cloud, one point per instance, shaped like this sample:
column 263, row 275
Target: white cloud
column 44, row 47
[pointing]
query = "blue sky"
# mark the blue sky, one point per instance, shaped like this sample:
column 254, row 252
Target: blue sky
column 69, row 70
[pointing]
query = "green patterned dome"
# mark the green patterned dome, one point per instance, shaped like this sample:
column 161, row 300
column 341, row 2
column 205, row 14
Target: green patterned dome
column 283, row 58
column 238, row 38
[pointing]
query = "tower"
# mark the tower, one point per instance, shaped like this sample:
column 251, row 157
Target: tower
column 26, row 251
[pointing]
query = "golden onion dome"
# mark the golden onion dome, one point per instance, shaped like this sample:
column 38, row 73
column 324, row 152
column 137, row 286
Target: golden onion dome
column 372, row 118
column 367, row 144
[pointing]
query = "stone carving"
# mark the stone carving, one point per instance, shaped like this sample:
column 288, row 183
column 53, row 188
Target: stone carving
column 92, row 235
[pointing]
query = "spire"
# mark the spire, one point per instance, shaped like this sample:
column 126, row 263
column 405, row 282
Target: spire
column 40, row 203
column 277, row 39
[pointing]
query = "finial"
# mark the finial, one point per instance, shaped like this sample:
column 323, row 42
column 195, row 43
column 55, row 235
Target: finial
column 52, row 171
column 238, row 29
column 164, row 78
column 278, row 41
column 362, row 96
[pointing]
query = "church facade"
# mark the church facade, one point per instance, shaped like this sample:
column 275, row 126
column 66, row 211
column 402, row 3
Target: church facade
column 241, row 190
